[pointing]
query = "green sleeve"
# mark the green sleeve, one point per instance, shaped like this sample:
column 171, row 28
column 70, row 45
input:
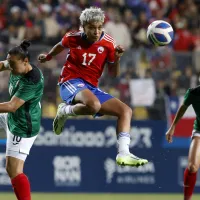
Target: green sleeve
column 187, row 98
column 26, row 91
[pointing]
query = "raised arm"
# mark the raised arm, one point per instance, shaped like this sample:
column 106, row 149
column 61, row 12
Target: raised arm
column 114, row 68
column 53, row 52
column 179, row 115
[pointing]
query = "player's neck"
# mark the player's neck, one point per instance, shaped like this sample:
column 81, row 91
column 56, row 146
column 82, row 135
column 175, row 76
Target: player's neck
column 28, row 68
column 92, row 41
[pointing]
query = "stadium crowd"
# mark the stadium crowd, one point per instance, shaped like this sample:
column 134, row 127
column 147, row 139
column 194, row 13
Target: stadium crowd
column 173, row 68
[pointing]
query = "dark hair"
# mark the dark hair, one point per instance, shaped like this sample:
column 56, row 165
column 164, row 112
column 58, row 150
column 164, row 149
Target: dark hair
column 21, row 50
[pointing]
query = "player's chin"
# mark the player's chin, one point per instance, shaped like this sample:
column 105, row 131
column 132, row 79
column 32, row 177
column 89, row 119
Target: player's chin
column 95, row 38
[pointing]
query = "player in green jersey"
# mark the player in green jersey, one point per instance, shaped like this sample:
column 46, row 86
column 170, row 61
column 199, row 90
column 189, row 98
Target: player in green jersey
column 192, row 97
column 21, row 115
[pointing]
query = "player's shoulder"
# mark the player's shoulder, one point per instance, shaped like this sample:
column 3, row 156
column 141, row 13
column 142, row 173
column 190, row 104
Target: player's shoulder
column 108, row 40
column 33, row 76
column 194, row 91
column 73, row 34
column 72, row 37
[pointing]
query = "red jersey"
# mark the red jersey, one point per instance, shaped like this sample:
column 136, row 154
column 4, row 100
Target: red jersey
column 86, row 60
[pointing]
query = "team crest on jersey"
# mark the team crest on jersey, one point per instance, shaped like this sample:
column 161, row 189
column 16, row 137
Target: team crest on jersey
column 81, row 85
column 79, row 47
column 100, row 49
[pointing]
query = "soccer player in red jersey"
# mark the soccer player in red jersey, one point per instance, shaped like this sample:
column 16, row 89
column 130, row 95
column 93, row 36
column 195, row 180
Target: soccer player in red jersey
column 192, row 97
column 89, row 51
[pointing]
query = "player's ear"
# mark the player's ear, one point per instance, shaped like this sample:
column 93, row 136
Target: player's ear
column 81, row 28
column 26, row 60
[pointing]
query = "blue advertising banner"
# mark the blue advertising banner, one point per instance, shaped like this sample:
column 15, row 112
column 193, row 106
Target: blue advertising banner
column 82, row 159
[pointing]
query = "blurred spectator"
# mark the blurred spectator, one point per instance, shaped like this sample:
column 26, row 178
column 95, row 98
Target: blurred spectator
column 183, row 40
column 51, row 27
column 16, row 26
column 142, row 64
column 3, row 20
column 162, row 88
column 187, row 79
column 123, row 85
column 19, row 3
column 140, row 34
column 148, row 73
column 39, row 28
column 118, row 30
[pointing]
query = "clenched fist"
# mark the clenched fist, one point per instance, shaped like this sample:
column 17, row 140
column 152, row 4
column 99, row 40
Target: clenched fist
column 119, row 50
column 42, row 58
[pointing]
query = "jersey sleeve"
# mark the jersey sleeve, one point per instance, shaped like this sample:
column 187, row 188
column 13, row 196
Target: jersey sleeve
column 65, row 41
column 187, row 98
column 111, row 54
column 26, row 91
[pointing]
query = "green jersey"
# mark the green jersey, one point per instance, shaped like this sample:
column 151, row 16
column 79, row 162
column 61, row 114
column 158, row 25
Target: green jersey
column 25, row 122
column 192, row 97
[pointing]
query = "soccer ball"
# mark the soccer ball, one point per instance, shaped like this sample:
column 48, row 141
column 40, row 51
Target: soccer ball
column 160, row 33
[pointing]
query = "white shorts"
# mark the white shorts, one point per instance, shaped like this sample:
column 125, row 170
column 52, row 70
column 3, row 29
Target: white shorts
column 195, row 133
column 16, row 146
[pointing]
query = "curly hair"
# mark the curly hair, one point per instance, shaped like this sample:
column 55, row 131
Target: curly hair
column 92, row 14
